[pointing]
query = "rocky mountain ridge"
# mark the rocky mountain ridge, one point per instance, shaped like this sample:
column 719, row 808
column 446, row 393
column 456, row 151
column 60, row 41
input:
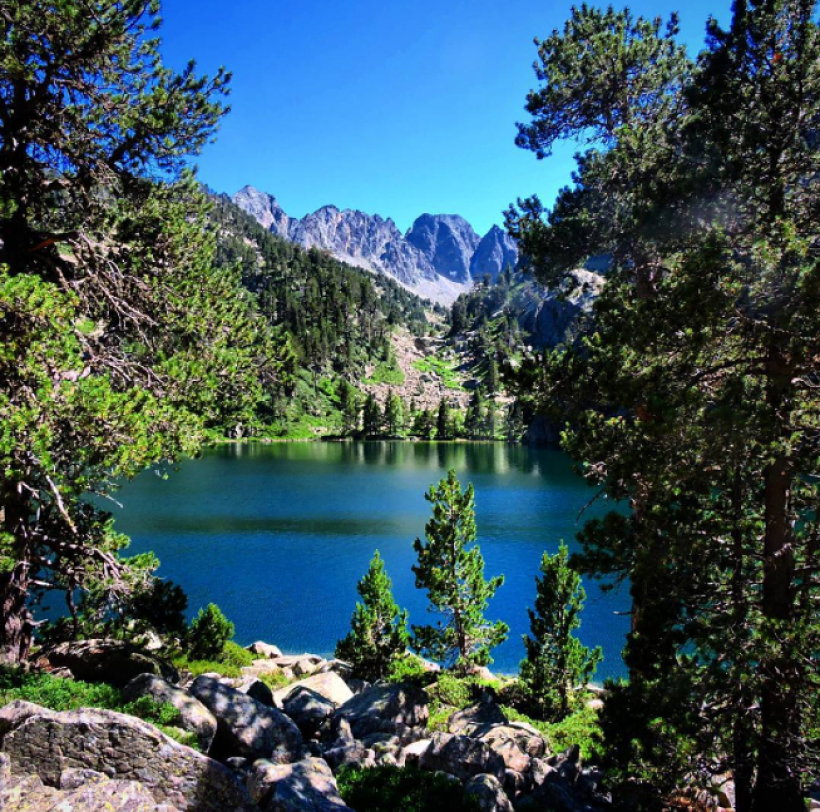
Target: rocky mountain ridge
column 438, row 258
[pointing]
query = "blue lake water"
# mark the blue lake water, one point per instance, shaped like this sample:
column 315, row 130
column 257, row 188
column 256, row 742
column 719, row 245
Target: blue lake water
column 278, row 535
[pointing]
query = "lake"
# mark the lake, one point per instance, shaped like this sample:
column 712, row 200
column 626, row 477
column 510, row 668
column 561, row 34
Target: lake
column 278, row 535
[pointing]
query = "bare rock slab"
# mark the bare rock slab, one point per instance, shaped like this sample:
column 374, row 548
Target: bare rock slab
column 126, row 749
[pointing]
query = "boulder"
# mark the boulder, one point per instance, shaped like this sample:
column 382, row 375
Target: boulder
column 306, row 786
column 347, row 752
column 309, row 710
column 194, row 716
column 301, row 665
column 525, row 736
column 29, row 794
column 126, row 749
column 412, row 754
column 483, row 715
column 462, row 757
column 488, row 794
column 340, row 667
column 385, row 708
column 264, row 650
column 109, row 661
column 246, row 727
column 15, row 713
column 258, row 690
column 328, row 685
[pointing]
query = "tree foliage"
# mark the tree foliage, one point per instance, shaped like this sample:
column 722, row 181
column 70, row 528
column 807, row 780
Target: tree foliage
column 693, row 395
column 557, row 663
column 120, row 344
column 451, row 568
column 378, row 628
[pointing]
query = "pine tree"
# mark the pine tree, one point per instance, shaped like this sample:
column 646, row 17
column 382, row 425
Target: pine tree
column 557, row 663
column 444, row 422
column 451, row 568
column 378, row 629
column 350, row 412
column 372, row 417
column 393, row 419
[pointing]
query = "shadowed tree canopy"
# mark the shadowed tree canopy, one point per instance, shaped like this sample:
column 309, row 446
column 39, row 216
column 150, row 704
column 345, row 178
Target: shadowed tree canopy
column 119, row 343
column 693, row 395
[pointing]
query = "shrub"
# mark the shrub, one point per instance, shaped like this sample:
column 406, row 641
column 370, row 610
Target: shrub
column 388, row 789
column 233, row 654
column 410, row 668
column 209, row 633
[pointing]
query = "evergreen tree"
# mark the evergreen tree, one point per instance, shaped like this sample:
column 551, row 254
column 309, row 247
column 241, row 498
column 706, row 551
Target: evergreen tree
column 372, row 417
column 350, row 411
column 444, row 421
column 493, row 382
column 557, row 663
column 120, row 342
column 378, row 629
column 393, row 415
column 451, row 568
column 694, row 399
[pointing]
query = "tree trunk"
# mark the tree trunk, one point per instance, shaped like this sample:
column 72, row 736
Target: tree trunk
column 15, row 619
column 778, row 784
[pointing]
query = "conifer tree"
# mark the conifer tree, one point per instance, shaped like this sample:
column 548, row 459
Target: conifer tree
column 444, row 424
column 557, row 663
column 372, row 417
column 378, row 629
column 393, row 419
column 451, row 568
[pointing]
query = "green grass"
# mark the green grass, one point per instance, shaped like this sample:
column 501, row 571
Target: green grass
column 61, row 694
column 444, row 370
column 387, row 372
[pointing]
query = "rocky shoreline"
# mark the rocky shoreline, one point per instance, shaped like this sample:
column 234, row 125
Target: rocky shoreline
column 267, row 750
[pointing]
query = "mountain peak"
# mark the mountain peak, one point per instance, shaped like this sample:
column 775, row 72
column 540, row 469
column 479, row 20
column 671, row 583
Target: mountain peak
column 434, row 258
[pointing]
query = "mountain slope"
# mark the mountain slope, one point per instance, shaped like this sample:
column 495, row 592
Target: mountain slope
column 433, row 259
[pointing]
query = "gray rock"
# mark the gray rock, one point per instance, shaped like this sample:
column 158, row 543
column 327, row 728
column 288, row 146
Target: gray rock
column 412, row 754
column 308, row 709
column 385, row 709
column 123, row 748
column 29, row 794
column 447, row 241
column 195, row 717
column 327, row 684
column 483, row 715
column 15, row 713
column 246, row 727
column 493, row 254
column 487, row 792
column 462, row 757
column 258, row 690
column 346, row 752
column 264, row 650
column 109, row 661
column 306, row 786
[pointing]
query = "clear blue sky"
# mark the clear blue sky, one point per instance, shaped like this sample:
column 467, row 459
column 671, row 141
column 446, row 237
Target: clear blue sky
column 393, row 107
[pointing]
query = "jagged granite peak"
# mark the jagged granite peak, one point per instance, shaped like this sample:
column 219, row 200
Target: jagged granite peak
column 265, row 208
column 433, row 259
column 367, row 241
column 495, row 252
column 448, row 241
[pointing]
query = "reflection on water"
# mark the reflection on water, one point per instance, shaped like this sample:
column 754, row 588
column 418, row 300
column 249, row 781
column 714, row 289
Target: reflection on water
column 278, row 535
